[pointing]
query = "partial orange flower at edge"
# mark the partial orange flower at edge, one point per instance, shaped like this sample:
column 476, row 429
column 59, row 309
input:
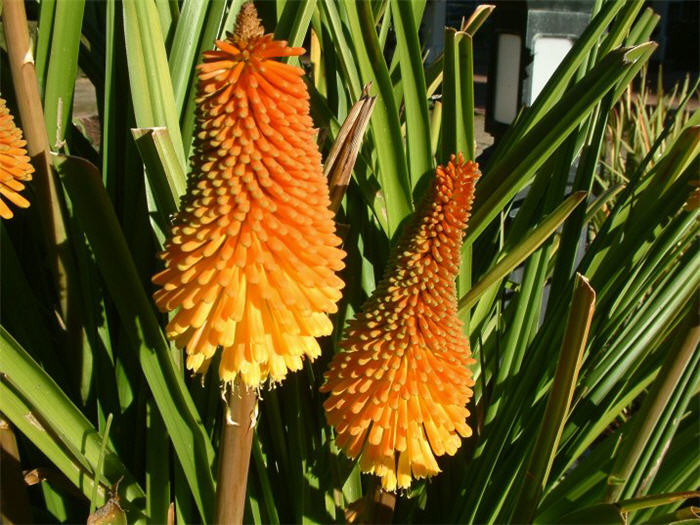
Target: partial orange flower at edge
column 400, row 385
column 251, row 259
column 14, row 163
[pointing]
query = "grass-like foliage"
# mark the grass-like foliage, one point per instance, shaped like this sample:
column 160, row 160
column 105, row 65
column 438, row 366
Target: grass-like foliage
column 577, row 287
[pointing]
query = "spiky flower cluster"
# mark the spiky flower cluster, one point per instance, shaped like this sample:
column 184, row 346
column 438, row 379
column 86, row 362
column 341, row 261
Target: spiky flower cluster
column 399, row 388
column 14, row 163
column 251, row 259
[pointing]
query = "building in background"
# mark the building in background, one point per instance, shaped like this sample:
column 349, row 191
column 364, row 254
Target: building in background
column 543, row 31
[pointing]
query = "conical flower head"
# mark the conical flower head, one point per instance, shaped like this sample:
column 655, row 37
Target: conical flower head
column 251, row 258
column 14, row 164
column 400, row 385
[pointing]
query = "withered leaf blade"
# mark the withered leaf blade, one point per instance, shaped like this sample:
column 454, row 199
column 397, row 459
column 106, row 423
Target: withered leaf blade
column 343, row 154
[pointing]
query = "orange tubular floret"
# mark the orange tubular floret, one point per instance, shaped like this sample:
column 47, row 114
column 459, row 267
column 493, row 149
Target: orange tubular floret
column 14, row 164
column 250, row 261
column 400, row 386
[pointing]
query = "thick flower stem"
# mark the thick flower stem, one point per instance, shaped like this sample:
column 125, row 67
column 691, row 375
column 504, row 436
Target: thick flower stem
column 383, row 504
column 234, row 453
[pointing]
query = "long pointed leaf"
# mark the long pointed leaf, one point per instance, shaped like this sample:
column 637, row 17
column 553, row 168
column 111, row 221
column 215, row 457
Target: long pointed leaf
column 524, row 248
column 176, row 407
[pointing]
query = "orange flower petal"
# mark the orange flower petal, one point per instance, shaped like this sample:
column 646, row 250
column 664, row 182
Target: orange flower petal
column 399, row 387
column 251, row 259
column 14, row 163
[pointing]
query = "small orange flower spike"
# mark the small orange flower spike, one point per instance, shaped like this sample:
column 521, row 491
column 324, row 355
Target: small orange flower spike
column 251, row 260
column 400, row 385
column 14, row 163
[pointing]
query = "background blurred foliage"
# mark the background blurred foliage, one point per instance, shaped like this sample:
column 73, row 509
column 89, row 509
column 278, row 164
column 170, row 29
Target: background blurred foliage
column 570, row 425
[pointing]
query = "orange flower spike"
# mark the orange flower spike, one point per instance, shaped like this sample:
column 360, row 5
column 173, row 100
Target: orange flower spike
column 400, row 385
column 251, row 259
column 14, row 164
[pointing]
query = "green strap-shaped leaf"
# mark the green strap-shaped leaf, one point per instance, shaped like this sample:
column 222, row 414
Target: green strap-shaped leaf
column 43, row 41
column 385, row 126
column 512, row 171
column 294, row 21
column 38, row 406
column 62, row 69
column 637, row 436
column 149, row 75
column 165, row 175
column 94, row 211
column 420, row 160
column 512, row 258
column 184, row 48
column 559, row 402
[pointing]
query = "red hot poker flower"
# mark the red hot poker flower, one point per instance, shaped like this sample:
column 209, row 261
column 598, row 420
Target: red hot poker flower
column 14, row 163
column 400, row 385
column 251, row 259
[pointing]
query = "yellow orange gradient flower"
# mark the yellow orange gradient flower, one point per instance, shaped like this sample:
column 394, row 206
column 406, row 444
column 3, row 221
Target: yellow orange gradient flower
column 251, row 259
column 400, row 385
column 14, row 164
